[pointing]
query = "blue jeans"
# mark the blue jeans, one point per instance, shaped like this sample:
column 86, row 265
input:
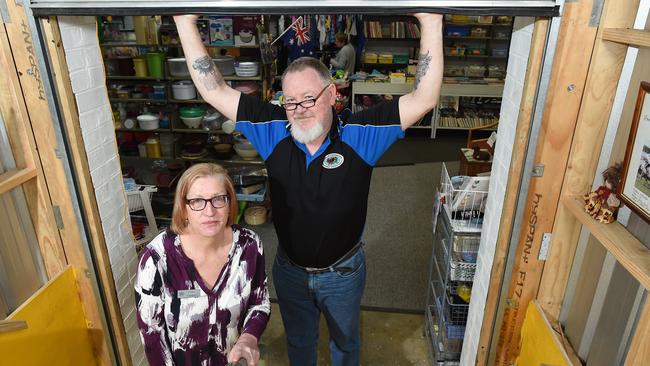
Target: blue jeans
column 302, row 296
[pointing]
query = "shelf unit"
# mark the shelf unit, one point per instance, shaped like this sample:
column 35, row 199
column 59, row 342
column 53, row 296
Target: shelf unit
column 156, row 170
column 455, row 90
column 451, row 268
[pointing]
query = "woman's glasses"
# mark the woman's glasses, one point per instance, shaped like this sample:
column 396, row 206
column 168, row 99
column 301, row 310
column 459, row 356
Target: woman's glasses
column 198, row 204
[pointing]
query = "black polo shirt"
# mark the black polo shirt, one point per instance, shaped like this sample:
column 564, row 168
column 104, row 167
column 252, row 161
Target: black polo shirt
column 319, row 201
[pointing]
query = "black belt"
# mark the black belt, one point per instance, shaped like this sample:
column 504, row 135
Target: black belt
column 331, row 268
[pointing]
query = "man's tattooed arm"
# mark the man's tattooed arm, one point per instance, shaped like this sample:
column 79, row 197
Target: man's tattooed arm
column 210, row 76
column 423, row 66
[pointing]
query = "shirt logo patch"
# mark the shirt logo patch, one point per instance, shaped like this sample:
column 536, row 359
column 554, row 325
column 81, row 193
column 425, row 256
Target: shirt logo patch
column 333, row 161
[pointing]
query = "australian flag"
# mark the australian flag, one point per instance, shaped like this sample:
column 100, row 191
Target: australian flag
column 298, row 40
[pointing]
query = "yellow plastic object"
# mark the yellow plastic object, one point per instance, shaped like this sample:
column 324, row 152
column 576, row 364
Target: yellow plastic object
column 56, row 331
column 464, row 292
column 540, row 344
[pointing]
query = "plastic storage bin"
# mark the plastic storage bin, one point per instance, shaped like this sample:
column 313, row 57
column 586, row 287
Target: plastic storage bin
column 476, row 51
column 401, row 59
column 496, row 71
column 454, row 50
column 475, row 71
column 370, row 58
column 499, row 52
column 178, row 67
column 457, row 31
column 454, row 70
column 478, row 32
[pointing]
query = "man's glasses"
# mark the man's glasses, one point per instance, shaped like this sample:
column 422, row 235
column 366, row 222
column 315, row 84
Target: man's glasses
column 198, row 204
column 307, row 103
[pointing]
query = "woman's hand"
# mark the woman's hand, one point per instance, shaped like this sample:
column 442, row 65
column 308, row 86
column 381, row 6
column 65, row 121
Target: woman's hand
column 245, row 347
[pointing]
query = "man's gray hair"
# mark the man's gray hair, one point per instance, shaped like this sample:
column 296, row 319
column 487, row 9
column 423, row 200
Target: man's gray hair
column 304, row 63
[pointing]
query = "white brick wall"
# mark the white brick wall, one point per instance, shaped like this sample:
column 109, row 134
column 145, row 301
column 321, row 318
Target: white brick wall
column 517, row 62
column 86, row 69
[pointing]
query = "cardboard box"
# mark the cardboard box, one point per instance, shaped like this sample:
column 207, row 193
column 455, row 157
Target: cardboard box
column 221, row 32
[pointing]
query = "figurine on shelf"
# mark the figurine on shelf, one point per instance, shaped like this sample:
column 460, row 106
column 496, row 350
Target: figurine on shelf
column 602, row 203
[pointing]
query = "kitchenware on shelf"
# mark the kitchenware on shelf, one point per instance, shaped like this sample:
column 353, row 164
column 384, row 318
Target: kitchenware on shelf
column 123, row 94
column 247, row 68
column 142, row 150
column 222, row 150
column 167, row 145
column 158, row 92
column 225, row 64
column 193, row 144
column 192, row 111
column 155, row 63
column 192, row 122
column 183, row 90
column 153, row 147
column 148, row 122
column 192, row 116
column 178, row 67
column 140, row 67
column 228, row 126
column 211, row 121
column 255, row 215
column 247, row 152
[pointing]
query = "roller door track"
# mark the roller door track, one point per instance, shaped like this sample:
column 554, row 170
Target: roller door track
column 159, row 7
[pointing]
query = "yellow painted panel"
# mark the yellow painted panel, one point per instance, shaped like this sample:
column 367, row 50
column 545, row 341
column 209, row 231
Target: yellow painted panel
column 56, row 331
column 540, row 344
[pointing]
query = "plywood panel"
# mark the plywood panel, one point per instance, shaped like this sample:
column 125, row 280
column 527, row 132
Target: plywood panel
column 56, row 331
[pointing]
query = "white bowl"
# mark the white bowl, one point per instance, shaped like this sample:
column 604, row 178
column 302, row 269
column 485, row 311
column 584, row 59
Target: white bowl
column 245, row 151
column 192, row 122
column 245, row 73
column 148, row 122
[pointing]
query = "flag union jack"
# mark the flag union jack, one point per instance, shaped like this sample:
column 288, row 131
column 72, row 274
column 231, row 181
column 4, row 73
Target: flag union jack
column 302, row 32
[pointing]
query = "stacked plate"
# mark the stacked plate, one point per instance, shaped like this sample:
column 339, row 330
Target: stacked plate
column 247, row 68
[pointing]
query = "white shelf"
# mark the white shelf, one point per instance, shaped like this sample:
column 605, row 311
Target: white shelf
column 462, row 90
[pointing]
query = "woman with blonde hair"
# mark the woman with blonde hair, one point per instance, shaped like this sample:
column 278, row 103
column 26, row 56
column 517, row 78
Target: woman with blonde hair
column 201, row 292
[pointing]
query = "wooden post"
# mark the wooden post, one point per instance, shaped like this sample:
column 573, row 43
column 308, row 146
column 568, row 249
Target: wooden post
column 574, row 48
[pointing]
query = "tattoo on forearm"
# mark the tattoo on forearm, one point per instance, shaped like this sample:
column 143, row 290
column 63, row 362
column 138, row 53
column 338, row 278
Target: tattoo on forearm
column 423, row 66
column 208, row 72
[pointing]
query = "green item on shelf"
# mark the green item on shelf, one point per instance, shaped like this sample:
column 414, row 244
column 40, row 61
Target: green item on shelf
column 155, row 63
column 192, row 112
column 240, row 211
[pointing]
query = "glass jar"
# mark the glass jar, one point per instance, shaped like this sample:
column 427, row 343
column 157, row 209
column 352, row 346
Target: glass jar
column 153, row 147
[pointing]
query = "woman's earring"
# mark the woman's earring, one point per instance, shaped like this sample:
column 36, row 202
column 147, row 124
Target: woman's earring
column 187, row 222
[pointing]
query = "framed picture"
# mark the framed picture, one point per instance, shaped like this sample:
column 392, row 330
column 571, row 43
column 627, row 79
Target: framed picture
column 634, row 188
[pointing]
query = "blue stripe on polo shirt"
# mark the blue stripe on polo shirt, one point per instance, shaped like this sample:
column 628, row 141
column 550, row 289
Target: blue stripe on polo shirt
column 371, row 141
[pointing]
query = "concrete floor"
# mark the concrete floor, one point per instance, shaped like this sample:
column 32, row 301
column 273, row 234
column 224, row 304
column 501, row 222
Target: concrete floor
column 387, row 339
